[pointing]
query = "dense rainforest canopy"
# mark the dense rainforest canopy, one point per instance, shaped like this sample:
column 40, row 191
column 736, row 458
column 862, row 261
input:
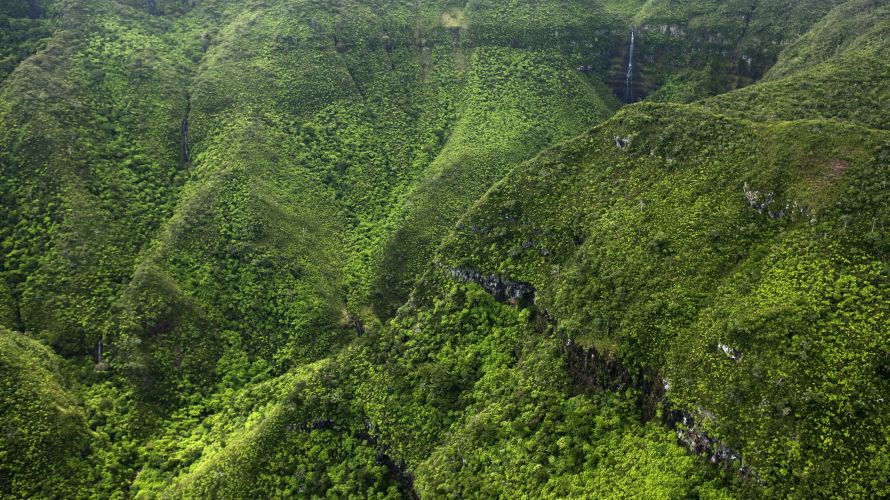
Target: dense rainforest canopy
column 436, row 248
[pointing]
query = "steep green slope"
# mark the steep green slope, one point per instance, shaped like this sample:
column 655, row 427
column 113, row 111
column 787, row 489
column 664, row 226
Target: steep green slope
column 849, row 27
column 327, row 248
column 90, row 167
column 471, row 384
column 692, row 49
column 745, row 263
column 516, row 103
column 44, row 429
column 724, row 256
column 460, row 389
column 838, row 70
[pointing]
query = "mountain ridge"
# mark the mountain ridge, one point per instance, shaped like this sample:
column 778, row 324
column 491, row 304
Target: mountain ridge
column 308, row 248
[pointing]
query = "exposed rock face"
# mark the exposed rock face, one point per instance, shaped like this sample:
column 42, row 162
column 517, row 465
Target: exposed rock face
column 592, row 370
column 503, row 290
column 763, row 203
column 698, row 442
column 731, row 353
column 397, row 470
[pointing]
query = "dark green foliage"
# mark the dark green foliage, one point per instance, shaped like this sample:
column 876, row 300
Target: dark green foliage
column 838, row 70
column 25, row 26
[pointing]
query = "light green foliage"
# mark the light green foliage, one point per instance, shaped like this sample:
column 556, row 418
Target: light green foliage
column 768, row 280
column 813, row 331
column 294, row 435
column 580, row 449
column 118, row 422
column 520, row 435
column 502, row 122
column 90, row 169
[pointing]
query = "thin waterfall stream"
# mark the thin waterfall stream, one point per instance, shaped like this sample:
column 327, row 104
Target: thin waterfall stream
column 184, row 130
column 628, row 79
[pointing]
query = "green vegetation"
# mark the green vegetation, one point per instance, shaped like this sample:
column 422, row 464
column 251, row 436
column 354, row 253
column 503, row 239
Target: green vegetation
column 25, row 25
column 44, row 429
column 339, row 248
column 771, row 283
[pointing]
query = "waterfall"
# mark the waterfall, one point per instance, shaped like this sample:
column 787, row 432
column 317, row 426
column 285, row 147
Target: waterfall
column 184, row 129
column 99, row 350
column 628, row 79
column 185, row 140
